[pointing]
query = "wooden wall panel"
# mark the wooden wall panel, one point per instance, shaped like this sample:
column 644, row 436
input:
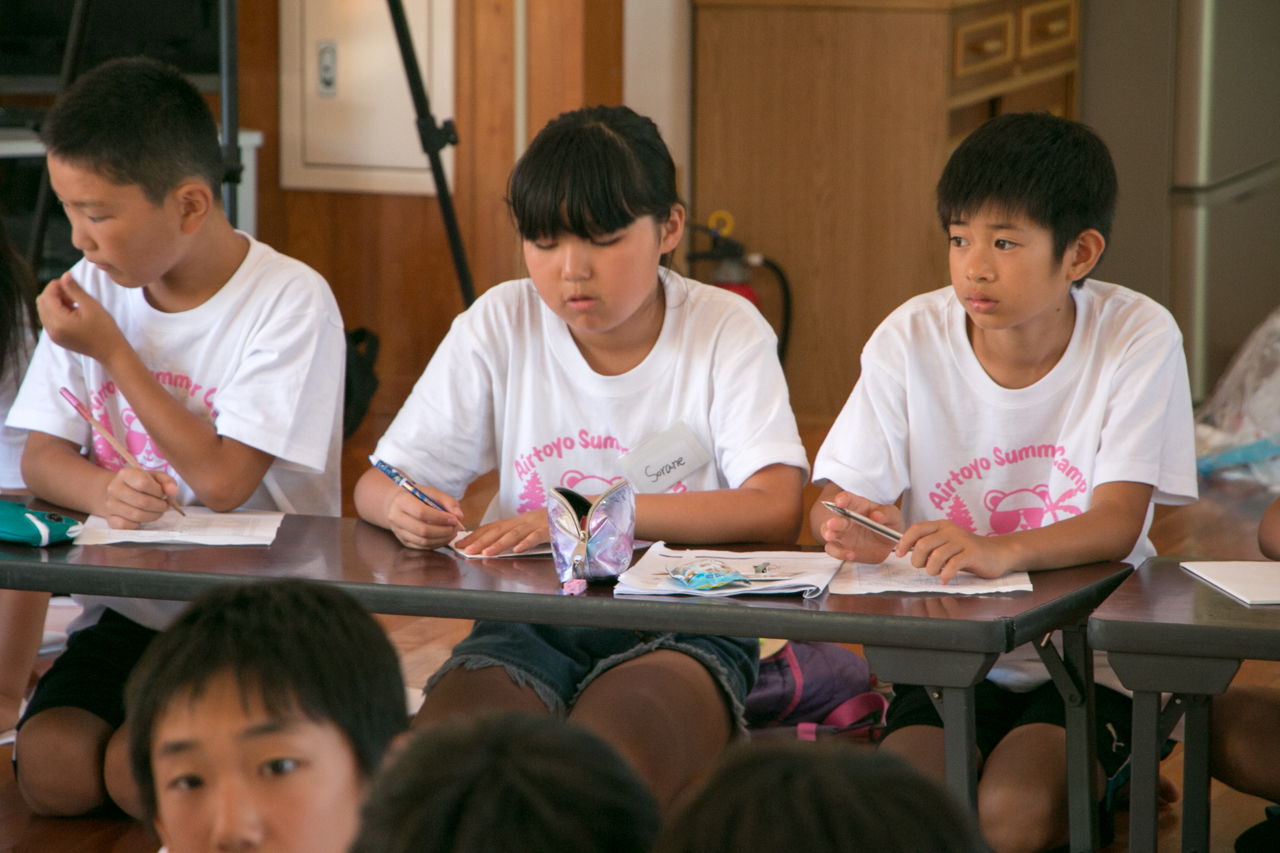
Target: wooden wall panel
column 824, row 131
column 575, row 57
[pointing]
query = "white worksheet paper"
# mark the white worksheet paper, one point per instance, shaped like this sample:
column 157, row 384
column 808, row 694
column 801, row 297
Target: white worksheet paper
column 201, row 526
column 806, row 572
column 896, row 574
column 1250, row 581
column 543, row 550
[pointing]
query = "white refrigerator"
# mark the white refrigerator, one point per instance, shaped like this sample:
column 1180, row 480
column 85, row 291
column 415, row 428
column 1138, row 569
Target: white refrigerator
column 1187, row 96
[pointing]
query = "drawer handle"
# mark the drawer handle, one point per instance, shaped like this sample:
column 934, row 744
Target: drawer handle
column 987, row 47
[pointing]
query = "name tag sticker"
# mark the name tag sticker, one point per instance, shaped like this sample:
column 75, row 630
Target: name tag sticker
column 660, row 461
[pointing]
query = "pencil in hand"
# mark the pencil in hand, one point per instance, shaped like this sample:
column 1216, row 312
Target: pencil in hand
column 102, row 430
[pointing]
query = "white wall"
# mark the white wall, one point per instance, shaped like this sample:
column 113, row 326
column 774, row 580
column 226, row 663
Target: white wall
column 657, row 67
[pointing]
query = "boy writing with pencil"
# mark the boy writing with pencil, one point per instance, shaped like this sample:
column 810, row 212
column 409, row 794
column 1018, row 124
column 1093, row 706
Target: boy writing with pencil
column 1025, row 418
column 215, row 361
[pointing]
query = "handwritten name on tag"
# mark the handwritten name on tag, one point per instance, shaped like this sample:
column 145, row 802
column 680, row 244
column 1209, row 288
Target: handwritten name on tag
column 662, row 460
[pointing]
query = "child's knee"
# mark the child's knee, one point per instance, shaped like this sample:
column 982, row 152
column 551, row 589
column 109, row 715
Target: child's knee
column 1018, row 818
column 117, row 775
column 59, row 766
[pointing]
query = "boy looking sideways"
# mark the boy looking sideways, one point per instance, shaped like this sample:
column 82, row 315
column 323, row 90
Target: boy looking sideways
column 1027, row 418
column 258, row 718
column 216, row 360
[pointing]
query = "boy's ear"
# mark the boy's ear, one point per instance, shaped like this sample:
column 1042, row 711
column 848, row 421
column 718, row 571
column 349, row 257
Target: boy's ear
column 1083, row 253
column 195, row 202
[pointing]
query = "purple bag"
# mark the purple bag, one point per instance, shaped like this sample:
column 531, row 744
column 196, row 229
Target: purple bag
column 809, row 688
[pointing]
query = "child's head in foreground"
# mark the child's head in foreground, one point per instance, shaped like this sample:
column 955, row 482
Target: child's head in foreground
column 594, row 199
column 258, row 717
column 134, row 157
column 504, row 783
column 1027, row 200
column 819, row 798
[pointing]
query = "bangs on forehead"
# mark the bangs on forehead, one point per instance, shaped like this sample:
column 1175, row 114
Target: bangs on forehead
column 586, row 183
column 1002, row 210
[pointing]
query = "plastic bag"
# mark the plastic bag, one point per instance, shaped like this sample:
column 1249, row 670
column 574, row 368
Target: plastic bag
column 1238, row 428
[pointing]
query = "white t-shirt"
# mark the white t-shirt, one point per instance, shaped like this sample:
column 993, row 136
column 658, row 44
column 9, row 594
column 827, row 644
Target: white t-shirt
column 262, row 360
column 12, row 441
column 926, row 422
column 508, row 388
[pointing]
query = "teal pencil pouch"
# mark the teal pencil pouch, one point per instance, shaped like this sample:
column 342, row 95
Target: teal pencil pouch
column 33, row 527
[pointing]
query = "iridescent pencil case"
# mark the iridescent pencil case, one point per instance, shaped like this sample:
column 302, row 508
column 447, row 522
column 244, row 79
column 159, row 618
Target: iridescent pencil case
column 592, row 540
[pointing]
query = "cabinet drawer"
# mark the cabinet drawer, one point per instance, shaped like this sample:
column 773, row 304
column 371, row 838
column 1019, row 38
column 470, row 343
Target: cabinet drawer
column 983, row 44
column 1048, row 26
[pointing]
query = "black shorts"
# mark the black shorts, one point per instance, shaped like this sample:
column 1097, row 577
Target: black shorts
column 999, row 711
column 92, row 671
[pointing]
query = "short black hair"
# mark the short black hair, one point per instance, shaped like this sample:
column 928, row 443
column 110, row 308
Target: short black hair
column 591, row 172
column 301, row 646
column 508, row 782
column 137, row 121
column 1056, row 171
column 820, row 798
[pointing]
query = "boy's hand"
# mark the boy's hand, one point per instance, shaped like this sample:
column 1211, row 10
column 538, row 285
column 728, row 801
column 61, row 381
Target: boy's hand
column 942, row 549
column 519, row 533
column 135, row 497
column 77, row 321
column 418, row 525
column 848, row 541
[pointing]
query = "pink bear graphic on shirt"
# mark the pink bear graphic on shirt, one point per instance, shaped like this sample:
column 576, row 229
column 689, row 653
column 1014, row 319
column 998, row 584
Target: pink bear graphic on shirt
column 594, row 485
column 1026, row 509
column 136, row 440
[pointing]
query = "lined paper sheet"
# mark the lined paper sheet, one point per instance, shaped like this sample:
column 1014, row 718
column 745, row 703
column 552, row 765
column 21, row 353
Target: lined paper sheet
column 896, row 574
column 202, row 526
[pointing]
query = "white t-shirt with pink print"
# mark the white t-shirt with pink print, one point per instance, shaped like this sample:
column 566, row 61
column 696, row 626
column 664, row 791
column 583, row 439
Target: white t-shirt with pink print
column 262, row 360
column 926, row 422
column 509, row 389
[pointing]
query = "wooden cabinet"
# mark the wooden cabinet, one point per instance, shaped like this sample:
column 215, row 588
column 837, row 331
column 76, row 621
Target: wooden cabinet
column 823, row 125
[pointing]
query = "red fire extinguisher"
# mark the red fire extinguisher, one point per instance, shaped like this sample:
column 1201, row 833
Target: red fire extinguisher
column 733, row 273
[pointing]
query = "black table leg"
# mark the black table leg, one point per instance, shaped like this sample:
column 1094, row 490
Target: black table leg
column 1145, row 779
column 959, row 737
column 1195, row 775
column 1082, row 745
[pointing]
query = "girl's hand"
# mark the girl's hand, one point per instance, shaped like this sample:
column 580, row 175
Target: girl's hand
column 942, row 549
column 418, row 525
column 519, row 533
column 848, row 541
column 135, row 497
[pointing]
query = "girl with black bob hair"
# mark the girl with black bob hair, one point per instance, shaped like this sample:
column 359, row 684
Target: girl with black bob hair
column 550, row 380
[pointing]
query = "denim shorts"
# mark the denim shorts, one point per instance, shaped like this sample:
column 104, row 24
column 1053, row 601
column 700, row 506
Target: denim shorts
column 559, row 662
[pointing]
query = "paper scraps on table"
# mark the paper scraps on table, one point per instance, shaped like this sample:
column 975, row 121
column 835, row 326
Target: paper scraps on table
column 765, row 572
column 896, row 574
column 201, row 526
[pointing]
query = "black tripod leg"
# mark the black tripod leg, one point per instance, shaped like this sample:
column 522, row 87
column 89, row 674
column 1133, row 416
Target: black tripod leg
column 44, row 196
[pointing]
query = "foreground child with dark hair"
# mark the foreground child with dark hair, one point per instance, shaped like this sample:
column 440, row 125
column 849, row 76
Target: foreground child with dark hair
column 550, row 380
column 508, row 782
column 819, row 798
column 1027, row 418
column 215, row 359
column 259, row 716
